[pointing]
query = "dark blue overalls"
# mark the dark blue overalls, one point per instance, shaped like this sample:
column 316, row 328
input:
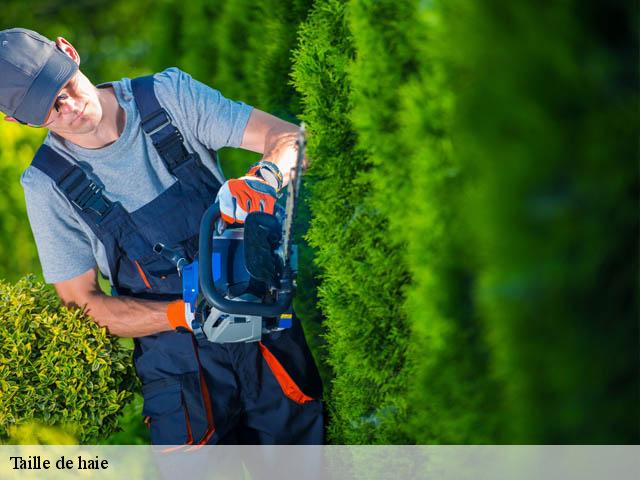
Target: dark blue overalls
column 195, row 391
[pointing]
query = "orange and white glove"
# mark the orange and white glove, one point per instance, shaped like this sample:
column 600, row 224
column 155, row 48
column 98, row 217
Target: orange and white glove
column 257, row 191
column 179, row 315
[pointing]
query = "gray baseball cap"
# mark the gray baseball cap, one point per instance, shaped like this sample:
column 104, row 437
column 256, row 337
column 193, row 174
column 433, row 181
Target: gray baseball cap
column 32, row 72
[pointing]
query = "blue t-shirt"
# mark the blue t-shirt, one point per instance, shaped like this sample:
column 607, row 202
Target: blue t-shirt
column 130, row 169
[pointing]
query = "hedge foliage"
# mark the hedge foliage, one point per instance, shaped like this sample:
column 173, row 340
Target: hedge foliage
column 339, row 219
column 363, row 271
column 548, row 130
column 418, row 183
column 440, row 131
column 57, row 366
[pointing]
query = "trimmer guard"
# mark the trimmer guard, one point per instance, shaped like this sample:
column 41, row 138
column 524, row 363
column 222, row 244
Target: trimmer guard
column 242, row 292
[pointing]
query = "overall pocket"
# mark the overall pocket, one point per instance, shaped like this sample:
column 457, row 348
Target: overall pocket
column 158, row 273
column 175, row 410
column 165, row 413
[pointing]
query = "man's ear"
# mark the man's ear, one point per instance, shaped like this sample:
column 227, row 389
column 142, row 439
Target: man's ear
column 10, row 119
column 68, row 49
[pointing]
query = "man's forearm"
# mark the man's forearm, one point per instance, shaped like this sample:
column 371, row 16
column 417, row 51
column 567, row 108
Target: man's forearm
column 127, row 316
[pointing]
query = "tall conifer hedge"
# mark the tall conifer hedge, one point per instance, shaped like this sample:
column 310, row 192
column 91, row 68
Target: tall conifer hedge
column 492, row 103
column 546, row 131
column 452, row 395
column 360, row 281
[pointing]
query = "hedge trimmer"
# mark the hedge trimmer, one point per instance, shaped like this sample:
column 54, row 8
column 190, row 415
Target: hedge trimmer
column 242, row 282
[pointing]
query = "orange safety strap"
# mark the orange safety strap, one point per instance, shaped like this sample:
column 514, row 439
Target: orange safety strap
column 289, row 387
column 176, row 314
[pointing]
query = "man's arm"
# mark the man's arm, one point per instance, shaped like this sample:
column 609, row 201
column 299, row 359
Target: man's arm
column 122, row 316
column 274, row 138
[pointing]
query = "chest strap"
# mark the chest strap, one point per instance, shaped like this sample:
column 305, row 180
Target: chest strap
column 86, row 195
column 156, row 123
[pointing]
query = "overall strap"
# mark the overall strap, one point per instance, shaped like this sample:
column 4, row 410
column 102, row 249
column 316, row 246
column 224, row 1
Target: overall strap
column 186, row 167
column 156, row 123
column 84, row 194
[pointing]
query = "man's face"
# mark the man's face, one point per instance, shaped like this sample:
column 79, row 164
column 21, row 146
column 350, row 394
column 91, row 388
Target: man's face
column 77, row 109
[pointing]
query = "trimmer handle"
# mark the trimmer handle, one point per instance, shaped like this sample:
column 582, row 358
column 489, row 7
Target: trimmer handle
column 214, row 297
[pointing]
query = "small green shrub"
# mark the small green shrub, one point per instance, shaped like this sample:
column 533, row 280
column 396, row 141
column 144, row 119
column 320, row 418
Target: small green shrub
column 57, row 366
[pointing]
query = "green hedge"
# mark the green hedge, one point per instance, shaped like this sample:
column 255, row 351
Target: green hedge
column 385, row 58
column 548, row 129
column 319, row 74
column 467, row 143
column 452, row 396
column 351, row 238
column 57, row 366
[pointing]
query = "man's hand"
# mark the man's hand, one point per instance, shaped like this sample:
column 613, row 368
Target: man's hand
column 275, row 139
column 240, row 196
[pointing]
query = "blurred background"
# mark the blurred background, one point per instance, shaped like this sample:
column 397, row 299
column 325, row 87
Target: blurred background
column 469, row 232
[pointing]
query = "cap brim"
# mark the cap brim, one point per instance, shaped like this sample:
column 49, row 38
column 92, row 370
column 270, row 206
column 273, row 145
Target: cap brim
column 44, row 90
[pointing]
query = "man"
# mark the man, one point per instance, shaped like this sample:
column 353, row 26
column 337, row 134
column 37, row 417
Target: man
column 127, row 165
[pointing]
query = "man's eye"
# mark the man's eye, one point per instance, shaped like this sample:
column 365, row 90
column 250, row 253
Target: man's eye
column 58, row 100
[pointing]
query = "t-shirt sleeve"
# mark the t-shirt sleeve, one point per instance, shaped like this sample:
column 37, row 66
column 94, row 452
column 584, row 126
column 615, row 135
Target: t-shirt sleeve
column 216, row 121
column 63, row 247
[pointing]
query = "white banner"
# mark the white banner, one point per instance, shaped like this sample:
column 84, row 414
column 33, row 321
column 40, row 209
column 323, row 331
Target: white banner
column 321, row 462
